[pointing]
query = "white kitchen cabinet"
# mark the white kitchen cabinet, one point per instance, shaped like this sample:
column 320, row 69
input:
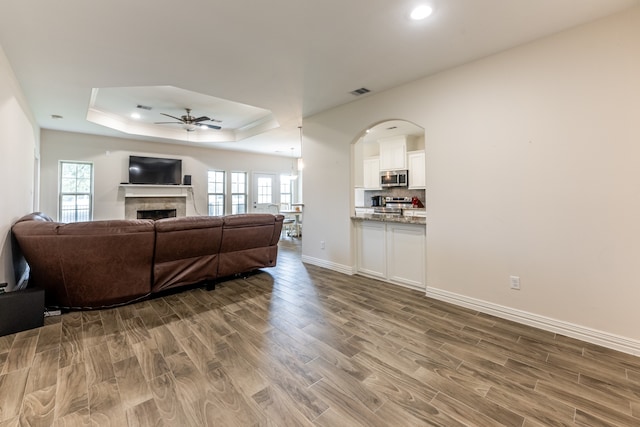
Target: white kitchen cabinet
column 371, row 238
column 393, row 252
column 393, row 153
column 406, row 254
column 371, row 173
column 416, row 166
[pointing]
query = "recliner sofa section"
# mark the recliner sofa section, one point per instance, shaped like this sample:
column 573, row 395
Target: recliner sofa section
column 248, row 242
column 105, row 263
column 186, row 251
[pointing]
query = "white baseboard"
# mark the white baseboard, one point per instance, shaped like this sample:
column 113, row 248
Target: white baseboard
column 341, row 268
column 593, row 336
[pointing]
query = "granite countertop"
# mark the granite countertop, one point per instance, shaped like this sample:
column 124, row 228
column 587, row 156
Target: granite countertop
column 419, row 220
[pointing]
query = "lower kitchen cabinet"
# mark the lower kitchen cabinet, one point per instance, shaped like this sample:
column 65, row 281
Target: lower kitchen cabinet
column 394, row 252
column 372, row 250
column 406, row 254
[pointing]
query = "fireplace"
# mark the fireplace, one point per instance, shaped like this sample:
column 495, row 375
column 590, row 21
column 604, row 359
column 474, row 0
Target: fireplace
column 156, row 213
column 155, row 207
column 139, row 197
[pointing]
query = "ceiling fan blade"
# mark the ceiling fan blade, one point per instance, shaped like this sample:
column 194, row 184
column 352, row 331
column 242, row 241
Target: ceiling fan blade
column 200, row 119
column 173, row 117
column 210, row 126
column 164, row 123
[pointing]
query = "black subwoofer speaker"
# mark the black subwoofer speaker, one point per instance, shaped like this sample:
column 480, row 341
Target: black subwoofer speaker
column 187, row 180
column 21, row 310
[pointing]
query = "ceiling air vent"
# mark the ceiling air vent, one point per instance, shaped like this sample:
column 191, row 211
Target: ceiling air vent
column 143, row 107
column 360, row 91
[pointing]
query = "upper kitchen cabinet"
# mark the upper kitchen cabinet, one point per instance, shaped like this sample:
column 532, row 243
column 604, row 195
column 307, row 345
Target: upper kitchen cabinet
column 394, row 149
column 371, row 172
column 393, row 153
column 416, row 165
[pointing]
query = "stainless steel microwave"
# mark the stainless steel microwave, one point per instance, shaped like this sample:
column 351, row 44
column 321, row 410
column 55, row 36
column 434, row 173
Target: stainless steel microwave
column 398, row 178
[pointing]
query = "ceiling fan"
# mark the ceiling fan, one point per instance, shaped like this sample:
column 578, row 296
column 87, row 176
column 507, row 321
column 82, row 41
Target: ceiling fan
column 190, row 123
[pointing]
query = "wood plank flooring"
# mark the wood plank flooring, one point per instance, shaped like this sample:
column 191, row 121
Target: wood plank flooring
column 299, row 345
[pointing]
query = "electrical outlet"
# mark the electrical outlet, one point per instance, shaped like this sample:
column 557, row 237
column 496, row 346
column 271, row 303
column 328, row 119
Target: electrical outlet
column 515, row 282
column 321, row 244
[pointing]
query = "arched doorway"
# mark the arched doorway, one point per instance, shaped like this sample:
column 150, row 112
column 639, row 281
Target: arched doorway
column 389, row 199
column 388, row 145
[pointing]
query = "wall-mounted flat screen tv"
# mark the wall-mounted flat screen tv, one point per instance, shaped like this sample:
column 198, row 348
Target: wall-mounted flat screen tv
column 152, row 170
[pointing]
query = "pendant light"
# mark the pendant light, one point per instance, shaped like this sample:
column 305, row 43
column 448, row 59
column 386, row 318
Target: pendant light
column 293, row 175
column 300, row 162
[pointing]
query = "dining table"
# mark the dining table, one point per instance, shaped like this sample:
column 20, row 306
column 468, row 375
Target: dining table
column 296, row 214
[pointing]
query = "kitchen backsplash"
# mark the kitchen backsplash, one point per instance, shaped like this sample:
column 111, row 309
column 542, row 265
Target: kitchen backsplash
column 394, row 192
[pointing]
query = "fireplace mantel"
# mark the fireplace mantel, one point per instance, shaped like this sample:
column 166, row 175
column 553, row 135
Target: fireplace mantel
column 150, row 190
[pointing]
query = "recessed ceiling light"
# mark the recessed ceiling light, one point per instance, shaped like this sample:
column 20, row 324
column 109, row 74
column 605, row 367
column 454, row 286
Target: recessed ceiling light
column 421, row 12
column 135, row 115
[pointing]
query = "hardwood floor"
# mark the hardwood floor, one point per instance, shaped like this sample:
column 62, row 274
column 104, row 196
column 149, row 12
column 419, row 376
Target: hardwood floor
column 299, row 345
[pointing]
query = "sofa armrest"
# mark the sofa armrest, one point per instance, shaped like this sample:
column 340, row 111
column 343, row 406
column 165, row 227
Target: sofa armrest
column 35, row 216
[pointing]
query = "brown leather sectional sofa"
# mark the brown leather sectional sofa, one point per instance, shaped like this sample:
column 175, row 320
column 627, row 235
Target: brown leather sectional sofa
column 104, row 263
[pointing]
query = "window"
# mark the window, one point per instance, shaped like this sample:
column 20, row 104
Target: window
column 76, row 192
column 265, row 194
column 238, row 192
column 215, row 188
column 285, row 191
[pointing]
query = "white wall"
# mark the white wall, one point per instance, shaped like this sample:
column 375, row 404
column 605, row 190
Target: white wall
column 532, row 170
column 110, row 157
column 18, row 150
